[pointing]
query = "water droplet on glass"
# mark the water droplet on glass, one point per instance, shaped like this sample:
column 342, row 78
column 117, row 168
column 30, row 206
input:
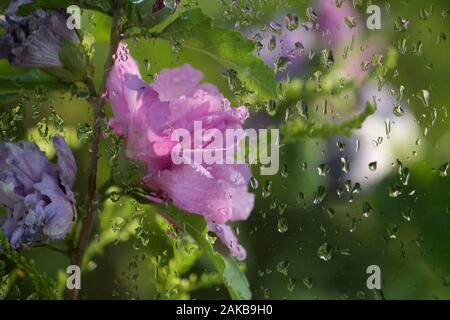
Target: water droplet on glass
column 267, row 189
column 308, row 282
column 366, row 209
column 392, row 231
column 424, row 97
column 282, row 225
column 443, row 169
column 395, row 191
column 323, row 169
column 283, row 267
column 407, row 214
column 275, row 27
column 398, row 110
column 272, row 43
column 311, row 14
column 373, row 166
column 325, row 252
column 320, row 195
column 254, row 183
column 345, row 164
column 350, row 21
column 291, row 21
column 291, row 284
column 341, row 145
column 281, row 64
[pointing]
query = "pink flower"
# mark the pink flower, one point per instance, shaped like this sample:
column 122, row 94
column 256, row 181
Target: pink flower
column 147, row 115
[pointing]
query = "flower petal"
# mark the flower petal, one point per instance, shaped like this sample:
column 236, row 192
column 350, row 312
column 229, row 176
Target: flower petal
column 66, row 162
column 229, row 239
column 192, row 188
column 174, row 83
column 123, row 85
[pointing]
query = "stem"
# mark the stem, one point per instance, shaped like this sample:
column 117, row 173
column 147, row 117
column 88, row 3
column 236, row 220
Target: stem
column 77, row 254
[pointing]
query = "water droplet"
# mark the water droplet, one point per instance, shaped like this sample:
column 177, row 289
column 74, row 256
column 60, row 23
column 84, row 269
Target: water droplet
column 443, row 169
column 323, row 169
column 341, row 145
column 395, row 190
column 405, row 175
column 326, row 58
column 308, row 282
column 407, row 214
column 291, row 284
column 373, row 166
column 297, row 50
column 291, row 21
column 275, row 27
column 272, row 43
column 398, row 110
column 387, row 127
column 401, row 24
column 345, row 164
column 325, row 252
column 350, row 21
column 311, row 14
column 271, row 108
column 392, row 231
column 282, row 225
column 356, row 188
column 424, row 97
column 366, row 209
column 281, row 64
column 267, row 189
column 320, row 195
column 254, row 183
column 283, row 267
column 282, row 208
column 302, row 109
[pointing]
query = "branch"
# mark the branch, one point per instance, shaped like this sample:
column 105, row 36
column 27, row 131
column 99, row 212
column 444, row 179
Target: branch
column 77, row 254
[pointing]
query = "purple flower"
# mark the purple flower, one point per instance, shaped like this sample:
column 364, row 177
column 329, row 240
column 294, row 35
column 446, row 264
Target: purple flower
column 147, row 115
column 35, row 40
column 332, row 21
column 36, row 193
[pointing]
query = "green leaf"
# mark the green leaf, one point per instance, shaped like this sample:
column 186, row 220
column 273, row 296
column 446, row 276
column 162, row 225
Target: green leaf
column 44, row 286
column 75, row 59
column 126, row 172
column 297, row 129
column 29, row 80
column 233, row 278
column 194, row 31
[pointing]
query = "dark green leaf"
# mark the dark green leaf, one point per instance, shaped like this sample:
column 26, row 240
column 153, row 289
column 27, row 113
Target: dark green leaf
column 234, row 279
column 194, row 31
column 44, row 286
column 126, row 172
column 29, row 80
